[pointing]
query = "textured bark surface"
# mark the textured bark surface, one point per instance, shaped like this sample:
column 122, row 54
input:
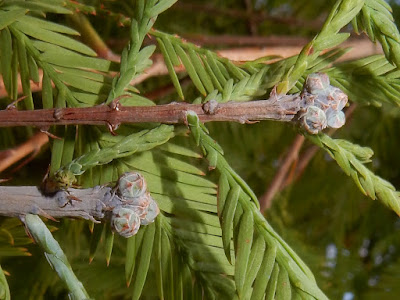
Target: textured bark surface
column 91, row 204
column 280, row 108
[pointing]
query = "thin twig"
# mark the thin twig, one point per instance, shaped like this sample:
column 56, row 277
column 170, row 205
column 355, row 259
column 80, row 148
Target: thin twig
column 252, row 22
column 306, row 157
column 55, row 256
column 276, row 183
column 283, row 108
column 287, row 175
column 91, row 204
column 33, row 145
column 91, row 37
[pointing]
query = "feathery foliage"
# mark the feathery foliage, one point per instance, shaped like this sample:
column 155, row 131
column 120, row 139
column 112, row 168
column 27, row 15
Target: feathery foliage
column 256, row 243
column 351, row 158
column 210, row 240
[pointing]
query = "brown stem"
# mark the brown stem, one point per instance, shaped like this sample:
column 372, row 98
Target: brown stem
column 287, row 175
column 10, row 156
column 306, row 157
column 91, row 37
column 267, row 197
column 282, row 109
column 252, row 22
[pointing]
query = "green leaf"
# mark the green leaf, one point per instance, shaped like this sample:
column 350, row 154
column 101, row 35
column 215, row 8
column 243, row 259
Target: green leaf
column 6, row 54
column 108, row 242
column 227, row 219
column 377, row 21
column 55, row 255
column 244, row 243
column 4, row 289
column 216, row 69
column 47, row 91
column 170, row 67
column 62, row 57
column 95, row 239
column 54, row 38
column 352, row 158
column 9, row 17
column 171, row 51
column 333, row 41
column 200, row 70
column 39, row 6
column 130, row 259
column 83, row 84
column 190, row 69
column 24, row 74
column 264, row 275
column 283, row 289
column 161, row 6
column 254, row 264
column 45, row 24
column 33, row 69
column 144, row 261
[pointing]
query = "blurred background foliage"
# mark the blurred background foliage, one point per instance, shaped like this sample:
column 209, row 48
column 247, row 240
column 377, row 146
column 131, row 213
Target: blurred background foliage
column 351, row 244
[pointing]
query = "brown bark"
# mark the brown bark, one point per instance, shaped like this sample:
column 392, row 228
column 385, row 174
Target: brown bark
column 282, row 109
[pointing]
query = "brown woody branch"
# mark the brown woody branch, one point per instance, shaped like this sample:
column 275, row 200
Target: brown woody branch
column 276, row 183
column 283, row 108
column 32, row 146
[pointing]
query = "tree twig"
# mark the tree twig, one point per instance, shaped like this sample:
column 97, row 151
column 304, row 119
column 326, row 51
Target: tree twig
column 90, row 204
column 10, row 156
column 252, row 23
column 91, row 37
column 308, row 154
column 127, row 206
column 279, row 178
column 282, row 109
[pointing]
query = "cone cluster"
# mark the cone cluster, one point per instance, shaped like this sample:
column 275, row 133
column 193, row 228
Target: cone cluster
column 322, row 104
column 137, row 208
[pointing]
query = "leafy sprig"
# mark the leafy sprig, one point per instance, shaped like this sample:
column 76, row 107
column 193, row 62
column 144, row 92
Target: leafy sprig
column 134, row 59
column 55, row 256
column 29, row 43
column 242, row 222
column 352, row 159
column 376, row 20
column 4, row 289
column 329, row 36
column 207, row 70
column 370, row 80
column 220, row 79
column 119, row 147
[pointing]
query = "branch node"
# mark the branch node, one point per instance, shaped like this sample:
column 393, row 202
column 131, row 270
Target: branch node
column 58, row 114
column 211, row 107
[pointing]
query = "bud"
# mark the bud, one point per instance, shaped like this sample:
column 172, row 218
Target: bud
column 335, row 119
column 125, row 221
column 337, row 98
column 317, row 83
column 152, row 213
column 314, row 119
column 140, row 205
column 132, row 185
